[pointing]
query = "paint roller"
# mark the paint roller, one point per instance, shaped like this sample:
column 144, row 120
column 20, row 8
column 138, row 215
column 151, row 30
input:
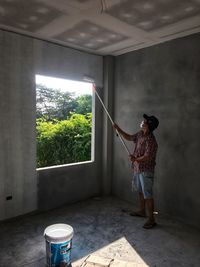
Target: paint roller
column 88, row 79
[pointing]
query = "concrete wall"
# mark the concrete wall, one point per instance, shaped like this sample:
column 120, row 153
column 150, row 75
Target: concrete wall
column 108, row 71
column 21, row 58
column 163, row 80
column 17, row 120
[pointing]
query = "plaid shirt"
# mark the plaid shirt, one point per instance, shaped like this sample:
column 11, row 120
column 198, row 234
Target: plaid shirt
column 144, row 145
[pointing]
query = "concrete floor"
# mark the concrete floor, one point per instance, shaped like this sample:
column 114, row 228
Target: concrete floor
column 101, row 228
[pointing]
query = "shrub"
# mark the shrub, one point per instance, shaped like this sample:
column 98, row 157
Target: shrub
column 62, row 142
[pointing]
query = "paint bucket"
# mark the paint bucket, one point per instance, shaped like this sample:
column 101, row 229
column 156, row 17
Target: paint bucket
column 58, row 244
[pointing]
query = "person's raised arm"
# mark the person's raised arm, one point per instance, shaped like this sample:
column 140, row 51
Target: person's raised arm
column 127, row 136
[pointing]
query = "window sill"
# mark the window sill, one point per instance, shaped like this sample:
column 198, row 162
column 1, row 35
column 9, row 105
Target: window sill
column 65, row 165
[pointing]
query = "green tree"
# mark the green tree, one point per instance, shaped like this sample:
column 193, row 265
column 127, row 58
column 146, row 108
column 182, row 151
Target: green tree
column 63, row 135
column 84, row 104
column 54, row 104
column 62, row 142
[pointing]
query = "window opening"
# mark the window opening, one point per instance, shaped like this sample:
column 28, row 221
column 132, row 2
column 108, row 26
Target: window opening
column 63, row 121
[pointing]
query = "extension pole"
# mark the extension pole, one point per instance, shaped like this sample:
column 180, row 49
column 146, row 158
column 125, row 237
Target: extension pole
column 105, row 109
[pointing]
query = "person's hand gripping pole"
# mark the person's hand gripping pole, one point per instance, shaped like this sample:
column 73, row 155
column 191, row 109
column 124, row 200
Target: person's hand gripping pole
column 105, row 109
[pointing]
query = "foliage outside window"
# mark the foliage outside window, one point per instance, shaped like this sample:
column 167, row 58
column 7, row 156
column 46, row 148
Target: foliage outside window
column 63, row 126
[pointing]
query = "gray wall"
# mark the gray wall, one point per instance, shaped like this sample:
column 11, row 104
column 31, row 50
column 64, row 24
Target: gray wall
column 21, row 58
column 163, row 80
column 17, row 135
column 108, row 71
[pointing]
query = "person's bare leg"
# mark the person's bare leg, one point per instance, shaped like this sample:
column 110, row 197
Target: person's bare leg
column 150, row 209
column 141, row 209
column 141, row 204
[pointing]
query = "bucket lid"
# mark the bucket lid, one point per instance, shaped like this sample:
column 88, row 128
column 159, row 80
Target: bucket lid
column 59, row 232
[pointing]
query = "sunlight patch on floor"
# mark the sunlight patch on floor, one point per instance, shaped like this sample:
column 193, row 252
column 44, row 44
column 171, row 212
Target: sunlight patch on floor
column 120, row 250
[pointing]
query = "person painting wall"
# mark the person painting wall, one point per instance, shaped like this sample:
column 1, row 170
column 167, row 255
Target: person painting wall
column 143, row 161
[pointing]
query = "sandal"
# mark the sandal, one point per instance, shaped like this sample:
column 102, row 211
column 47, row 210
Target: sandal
column 149, row 225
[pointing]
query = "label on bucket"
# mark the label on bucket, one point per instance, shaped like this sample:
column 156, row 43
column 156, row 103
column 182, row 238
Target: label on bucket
column 59, row 255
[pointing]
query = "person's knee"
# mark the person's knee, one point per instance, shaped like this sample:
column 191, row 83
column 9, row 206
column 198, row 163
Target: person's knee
column 148, row 194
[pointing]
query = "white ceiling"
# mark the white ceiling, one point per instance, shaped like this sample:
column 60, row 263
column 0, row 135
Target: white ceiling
column 104, row 27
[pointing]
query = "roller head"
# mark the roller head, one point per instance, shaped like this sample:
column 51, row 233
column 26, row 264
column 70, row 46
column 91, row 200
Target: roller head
column 94, row 87
column 88, row 79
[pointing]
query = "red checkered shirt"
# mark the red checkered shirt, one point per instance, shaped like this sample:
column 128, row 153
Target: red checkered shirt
column 144, row 145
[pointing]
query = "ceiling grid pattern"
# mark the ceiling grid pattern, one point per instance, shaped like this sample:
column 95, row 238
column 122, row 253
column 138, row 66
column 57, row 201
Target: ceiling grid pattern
column 108, row 27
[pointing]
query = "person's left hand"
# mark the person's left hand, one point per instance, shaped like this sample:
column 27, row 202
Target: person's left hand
column 115, row 126
column 132, row 158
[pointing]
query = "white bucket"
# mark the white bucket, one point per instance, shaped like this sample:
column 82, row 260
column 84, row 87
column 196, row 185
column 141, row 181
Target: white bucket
column 58, row 244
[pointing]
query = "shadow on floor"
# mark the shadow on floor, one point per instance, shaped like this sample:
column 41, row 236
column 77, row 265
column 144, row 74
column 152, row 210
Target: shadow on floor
column 102, row 228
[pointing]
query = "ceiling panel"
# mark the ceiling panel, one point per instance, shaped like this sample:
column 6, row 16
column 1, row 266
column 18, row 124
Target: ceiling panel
column 104, row 27
column 27, row 15
column 154, row 14
column 90, row 35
